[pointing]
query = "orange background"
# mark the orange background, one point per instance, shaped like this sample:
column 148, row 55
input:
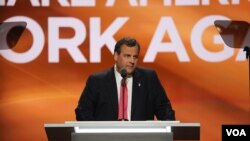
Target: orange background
column 35, row 93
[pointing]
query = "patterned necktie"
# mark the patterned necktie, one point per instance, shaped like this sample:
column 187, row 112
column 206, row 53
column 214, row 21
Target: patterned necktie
column 123, row 115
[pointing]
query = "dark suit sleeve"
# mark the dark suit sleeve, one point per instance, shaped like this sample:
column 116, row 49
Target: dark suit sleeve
column 86, row 105
column 163, row 109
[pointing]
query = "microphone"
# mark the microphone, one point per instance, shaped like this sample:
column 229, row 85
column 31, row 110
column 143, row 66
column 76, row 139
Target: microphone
column 123, row 73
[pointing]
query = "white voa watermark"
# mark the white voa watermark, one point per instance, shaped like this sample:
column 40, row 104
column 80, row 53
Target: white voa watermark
column 236, row 132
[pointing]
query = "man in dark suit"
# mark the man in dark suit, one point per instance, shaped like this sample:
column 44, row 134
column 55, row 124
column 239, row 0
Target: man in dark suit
column 146, row 98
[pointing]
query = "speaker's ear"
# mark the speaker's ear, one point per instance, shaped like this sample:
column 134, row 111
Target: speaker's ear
column 10, row 32
column 115, row 56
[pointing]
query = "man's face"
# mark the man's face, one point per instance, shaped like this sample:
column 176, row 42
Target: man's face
column 127, row 58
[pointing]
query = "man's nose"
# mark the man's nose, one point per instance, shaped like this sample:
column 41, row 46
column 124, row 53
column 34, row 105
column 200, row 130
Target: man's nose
column 132, row 60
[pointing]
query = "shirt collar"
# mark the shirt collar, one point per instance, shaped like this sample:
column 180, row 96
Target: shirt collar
column 117, row 74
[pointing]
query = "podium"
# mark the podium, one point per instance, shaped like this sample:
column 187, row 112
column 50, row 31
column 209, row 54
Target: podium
column 123, row 131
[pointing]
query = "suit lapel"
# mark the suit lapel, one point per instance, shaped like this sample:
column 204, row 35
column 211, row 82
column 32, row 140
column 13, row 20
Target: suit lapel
column 136, row 90
column 112, row 90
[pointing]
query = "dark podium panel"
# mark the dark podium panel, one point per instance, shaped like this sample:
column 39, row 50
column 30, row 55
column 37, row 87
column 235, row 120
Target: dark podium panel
column 123, row 131
column 122, row 137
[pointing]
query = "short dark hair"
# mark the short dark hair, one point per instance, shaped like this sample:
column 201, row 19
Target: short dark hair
column 128, row 41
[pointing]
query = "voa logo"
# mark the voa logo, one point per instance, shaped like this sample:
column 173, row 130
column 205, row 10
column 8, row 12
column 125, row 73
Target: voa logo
column 236, row 132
